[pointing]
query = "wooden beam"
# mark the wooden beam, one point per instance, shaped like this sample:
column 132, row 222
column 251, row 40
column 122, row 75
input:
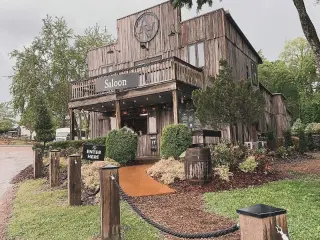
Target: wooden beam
column 154, row 89
column 118, row 115
column 175, row 106
column 109, row 203
column 54, row 168
column 74, row 180
column 37, row 163
column 92, row 101
column 72, row 123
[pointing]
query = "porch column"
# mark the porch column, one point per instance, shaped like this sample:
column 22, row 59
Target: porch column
column 72, row 121
column 175, row 106
column 118, row 115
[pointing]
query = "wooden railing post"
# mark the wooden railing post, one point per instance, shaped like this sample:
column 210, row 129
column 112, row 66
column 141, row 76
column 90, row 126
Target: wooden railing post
column 54, row 168
column 109, row 203
column 74, row 180
column 37, row 163
column 175, row 101
column 259, row 222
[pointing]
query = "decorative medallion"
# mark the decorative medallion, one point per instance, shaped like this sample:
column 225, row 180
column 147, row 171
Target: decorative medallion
column 146, row 27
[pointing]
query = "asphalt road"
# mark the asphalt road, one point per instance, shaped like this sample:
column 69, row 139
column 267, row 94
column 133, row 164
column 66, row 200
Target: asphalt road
column 12, row 161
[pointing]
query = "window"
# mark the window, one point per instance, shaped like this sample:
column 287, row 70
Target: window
column 254, row 73
column 247, row 69
column 106, row 69
column 196, row 54
column 152, row 122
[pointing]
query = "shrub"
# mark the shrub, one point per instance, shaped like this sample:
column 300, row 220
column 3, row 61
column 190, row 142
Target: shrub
column 223, row 172
column 90, row 173
column 167, row 170
column 311, row 145
column 297, row 127
column 282, row 152
column 121, row 145
column 296, row 143
column 302, row 141
column 249, row 165
column 287, row 138
column 175, row 140
column 221, row 155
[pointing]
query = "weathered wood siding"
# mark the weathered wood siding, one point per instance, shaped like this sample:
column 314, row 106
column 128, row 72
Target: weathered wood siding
column 281, row 114
column 130, row 50
column 239, row 54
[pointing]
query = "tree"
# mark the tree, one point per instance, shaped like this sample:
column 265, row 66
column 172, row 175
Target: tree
column 295, row 75
column 6, row 117
column 45, row 68
column 306, row 23
column 43, row 125
column 226, row 101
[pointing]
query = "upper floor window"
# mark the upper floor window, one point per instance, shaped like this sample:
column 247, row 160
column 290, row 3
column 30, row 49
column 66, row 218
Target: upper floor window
column 196, row 54
column 254, row 73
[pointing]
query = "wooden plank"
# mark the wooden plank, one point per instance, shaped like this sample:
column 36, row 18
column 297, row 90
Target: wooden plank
column 54, row 168
column 74, row 180
column 118, row 114
column 175, row 107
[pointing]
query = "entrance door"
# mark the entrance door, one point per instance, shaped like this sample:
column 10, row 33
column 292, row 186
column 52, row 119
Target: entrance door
column 137, row 124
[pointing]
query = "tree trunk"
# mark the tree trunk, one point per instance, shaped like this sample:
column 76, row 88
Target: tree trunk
column 308, row 30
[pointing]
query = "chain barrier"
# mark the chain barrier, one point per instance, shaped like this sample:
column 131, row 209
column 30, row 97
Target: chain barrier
column 217, row 233
column 279, row 230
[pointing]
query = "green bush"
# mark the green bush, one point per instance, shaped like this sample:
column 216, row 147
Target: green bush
column 175, row 139
column 222, row 154
column 248, row 165
column 302, row 141
column 287, row 138
column 297, row 127
column 121, row 145
column 311, row 145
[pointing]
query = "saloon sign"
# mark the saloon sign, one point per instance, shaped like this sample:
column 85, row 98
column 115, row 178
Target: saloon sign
column 109, row 83
column 94, row 152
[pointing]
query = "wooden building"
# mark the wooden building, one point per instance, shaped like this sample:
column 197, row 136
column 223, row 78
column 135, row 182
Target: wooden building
column 144, row 80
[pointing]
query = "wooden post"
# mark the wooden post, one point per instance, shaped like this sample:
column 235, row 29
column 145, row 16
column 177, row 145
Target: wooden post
column 74, row 180
column 175, row 106
column 259, row 222
column 118, row 115
column 109, row 203
column 54, row 168
column 72, row 123
column 37, row 163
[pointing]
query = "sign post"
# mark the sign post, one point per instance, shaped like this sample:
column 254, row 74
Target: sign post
column 94, row 152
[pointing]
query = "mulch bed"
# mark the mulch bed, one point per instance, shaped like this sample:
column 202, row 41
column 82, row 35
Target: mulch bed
column 238, row 180
column 23, row 175
column 183, row 212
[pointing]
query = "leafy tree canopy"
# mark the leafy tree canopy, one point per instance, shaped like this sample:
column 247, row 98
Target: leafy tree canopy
column 226, row 101
column 44, row 69
column 6, row 117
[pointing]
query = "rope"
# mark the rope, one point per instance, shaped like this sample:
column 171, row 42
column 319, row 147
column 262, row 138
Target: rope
column 217, row 233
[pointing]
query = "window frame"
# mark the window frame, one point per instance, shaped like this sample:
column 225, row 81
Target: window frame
column 196, row 51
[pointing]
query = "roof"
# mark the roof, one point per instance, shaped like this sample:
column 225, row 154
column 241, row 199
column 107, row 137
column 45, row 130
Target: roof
column 235, row 25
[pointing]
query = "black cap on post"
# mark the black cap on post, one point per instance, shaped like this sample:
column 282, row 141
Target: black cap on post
column 261, row 211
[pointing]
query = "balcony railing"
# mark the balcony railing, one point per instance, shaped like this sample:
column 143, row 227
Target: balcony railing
column 156, row 72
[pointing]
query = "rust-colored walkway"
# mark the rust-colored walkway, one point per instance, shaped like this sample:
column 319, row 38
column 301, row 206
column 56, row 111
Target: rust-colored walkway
column 135, row 182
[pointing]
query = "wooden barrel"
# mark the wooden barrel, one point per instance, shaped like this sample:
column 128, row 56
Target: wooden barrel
column 198, row 165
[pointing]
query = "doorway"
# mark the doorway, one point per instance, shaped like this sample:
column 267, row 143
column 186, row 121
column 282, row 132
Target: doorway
column 138, row 124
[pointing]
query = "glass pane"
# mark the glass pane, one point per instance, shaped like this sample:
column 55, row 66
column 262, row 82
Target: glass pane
column 192, row 55
column 152, row 124
column 113, row 123
column 201, row 55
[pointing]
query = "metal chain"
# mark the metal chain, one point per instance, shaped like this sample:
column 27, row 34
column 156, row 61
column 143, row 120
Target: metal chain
column 217, row 233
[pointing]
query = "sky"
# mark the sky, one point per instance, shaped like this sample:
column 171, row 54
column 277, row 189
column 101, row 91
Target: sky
column 266, row 23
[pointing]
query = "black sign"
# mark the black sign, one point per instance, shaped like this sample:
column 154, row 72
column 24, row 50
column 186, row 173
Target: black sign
column 94, row 152
column 154, row 147
column 109, row 83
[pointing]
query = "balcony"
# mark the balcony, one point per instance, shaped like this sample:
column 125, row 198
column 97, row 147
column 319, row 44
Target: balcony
column 165, row 70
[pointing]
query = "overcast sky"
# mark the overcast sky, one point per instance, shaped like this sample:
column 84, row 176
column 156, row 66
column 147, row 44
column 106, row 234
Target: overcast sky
column 266, row 23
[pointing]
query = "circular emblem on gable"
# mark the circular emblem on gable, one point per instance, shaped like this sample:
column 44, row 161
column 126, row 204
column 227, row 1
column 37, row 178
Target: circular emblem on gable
column 146, row 27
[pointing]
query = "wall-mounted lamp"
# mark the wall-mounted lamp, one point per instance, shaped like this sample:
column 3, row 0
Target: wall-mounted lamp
column 144, row 46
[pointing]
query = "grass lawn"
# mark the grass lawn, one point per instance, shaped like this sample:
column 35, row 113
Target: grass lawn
column 301, row 198
column 40, row 213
